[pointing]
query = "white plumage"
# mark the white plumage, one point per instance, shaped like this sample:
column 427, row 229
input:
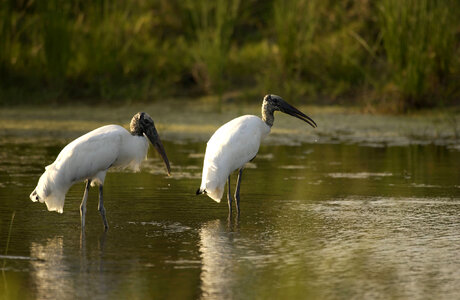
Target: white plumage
column 90, row 156
column 229, row 149
column 236, row 143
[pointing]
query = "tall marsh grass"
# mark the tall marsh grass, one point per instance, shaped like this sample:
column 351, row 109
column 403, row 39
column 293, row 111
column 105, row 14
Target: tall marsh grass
column 5, row 36
column 213, row 23
column 320, row 50
column 419, row 42
column 57, row 37
column 294, row 23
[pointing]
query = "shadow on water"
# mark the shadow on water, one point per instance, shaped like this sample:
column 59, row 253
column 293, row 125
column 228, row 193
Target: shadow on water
column 318, row 220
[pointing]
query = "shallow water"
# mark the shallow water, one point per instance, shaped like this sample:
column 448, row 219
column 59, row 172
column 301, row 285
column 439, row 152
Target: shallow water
column 335, row 221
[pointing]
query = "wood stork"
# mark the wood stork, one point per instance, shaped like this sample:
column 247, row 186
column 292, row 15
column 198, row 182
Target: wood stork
column 90, row 156
column 236, row 143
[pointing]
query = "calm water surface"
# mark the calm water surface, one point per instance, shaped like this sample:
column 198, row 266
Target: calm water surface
column 330, row 221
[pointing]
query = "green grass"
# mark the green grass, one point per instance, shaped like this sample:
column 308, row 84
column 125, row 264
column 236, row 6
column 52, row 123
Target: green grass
column 404, row 52
column 5, row 283
column 419, row 41
column 8, row 238
column 295, row 24
column 213, row 25
column 57, row 36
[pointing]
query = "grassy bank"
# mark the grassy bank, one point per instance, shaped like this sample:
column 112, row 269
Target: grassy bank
column 386, row 54
column 196, row 120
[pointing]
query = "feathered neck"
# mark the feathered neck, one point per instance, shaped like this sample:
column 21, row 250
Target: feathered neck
column 135, row 127
column 267, row 113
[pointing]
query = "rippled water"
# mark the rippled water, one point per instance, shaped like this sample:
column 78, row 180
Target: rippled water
column 333, row 221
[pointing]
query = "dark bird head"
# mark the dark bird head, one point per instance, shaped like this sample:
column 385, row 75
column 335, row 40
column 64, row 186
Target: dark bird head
column 142, row 124
column 274, row 103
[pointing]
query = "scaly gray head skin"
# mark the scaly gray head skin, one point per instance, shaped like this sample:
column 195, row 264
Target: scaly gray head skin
column 274, row 103
column 141, row 124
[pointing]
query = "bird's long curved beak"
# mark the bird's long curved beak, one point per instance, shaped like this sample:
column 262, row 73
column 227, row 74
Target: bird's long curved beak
column 154, row 138
column 291, row 110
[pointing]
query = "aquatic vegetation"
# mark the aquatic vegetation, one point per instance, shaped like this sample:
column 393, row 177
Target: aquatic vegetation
column 419, row 41
column 213, row 23
column 291, row 52
column 372, row 52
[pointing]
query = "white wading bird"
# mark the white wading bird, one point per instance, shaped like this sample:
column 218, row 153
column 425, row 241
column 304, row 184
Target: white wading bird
column 90, row 156
column 236, row 143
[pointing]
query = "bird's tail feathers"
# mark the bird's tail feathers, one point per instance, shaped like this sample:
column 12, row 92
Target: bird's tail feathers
column 216, row 193
column 34, row 197
column 213, row 181
column 50, row 191
column 200, row 191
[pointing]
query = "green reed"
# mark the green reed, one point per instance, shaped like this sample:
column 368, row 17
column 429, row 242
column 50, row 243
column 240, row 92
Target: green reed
column 5, row 37
column 303, row 49
column 5, row 283
column 57, row 36
column 295, row 23
column 418, row 38
column 213, row 24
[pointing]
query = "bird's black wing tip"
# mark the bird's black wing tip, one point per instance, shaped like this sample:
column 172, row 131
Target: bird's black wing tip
column 199, row 191
column 34, row 196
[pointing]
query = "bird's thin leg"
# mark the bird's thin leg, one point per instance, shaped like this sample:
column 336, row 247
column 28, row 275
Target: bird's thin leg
column 237, row 192
column 229, row 197
column 101, row 208
column 83, row 241
column 83, row 204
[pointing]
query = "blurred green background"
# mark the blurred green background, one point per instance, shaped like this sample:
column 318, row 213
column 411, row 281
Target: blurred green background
column 385, row 55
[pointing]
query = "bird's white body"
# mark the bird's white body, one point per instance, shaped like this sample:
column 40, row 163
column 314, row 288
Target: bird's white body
column 230, row 148
column 89, row 157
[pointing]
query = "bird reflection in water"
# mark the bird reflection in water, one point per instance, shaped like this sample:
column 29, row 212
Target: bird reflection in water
column 218, row 256
column 53, row 272
column 50, row 273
